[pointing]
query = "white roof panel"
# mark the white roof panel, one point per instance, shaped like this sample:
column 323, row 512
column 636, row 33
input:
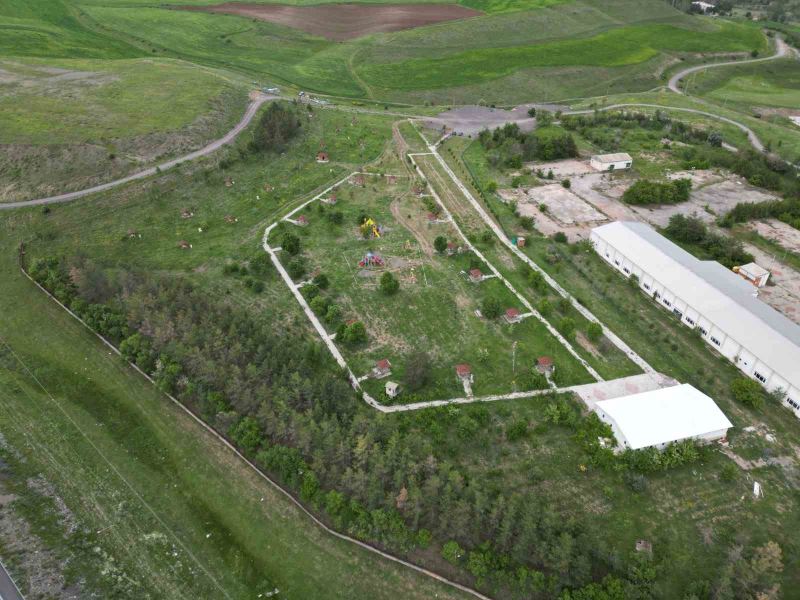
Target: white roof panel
column 610, row 158
column 719, row 295
column 664, row 415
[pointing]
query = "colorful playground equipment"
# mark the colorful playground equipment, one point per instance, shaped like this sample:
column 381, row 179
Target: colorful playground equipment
column 371, row 260
column 370, row 228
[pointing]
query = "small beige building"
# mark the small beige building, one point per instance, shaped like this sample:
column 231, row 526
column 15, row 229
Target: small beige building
column 611, row 162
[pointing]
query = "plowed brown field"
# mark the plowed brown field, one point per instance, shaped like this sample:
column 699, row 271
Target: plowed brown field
column 345, row 21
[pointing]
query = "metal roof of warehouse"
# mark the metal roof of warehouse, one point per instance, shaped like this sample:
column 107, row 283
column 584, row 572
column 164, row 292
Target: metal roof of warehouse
column 718, row 294
column 665, row 415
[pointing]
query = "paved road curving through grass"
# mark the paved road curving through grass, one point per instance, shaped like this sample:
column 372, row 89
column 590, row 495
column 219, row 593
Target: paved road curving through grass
column 783, row 50
column 251, row 111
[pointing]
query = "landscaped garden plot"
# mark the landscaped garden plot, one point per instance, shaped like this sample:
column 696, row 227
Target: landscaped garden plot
column 431, row 320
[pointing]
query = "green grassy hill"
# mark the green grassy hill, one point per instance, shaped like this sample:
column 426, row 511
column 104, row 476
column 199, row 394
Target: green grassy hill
column 499, row 57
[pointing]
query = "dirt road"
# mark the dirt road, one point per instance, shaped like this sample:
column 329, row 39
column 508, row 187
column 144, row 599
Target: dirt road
column 783, row 50
column 251, row 111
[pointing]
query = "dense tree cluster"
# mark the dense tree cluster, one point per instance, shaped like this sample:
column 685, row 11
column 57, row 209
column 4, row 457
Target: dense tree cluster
column 276, row 127
column 692, row 231
column 392, row 482
column 645, row 191
column 508, row 146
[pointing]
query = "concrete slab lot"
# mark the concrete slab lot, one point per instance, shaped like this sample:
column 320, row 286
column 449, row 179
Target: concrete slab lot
column 594, row 198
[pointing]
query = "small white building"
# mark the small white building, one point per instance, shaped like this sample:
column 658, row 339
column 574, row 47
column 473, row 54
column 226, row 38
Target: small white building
column 705, row 296
column 659, row 417
column 704, row 6
column 392, row 389
column 611, row 162
column 753, row 273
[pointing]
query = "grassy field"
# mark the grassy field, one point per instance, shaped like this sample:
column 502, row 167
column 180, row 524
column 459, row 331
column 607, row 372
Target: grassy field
column 95, row 101
column 778, row 132
column 434, row 309
column 615, row 48
column 677, row 510
column 672, row 349
column 499, row 57
column 771, row 84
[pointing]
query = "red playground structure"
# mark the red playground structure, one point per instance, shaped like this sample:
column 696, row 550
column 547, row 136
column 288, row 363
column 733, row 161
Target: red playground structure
column 371, row 260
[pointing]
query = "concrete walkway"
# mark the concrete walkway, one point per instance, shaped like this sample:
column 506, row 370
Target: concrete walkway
column 212, row 147
column 8, row 589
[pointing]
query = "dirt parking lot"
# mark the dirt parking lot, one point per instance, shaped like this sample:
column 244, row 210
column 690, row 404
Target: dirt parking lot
column 778, row 231
column 341, row 22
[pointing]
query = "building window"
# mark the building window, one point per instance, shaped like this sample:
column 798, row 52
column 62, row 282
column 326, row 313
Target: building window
column 678, row 313
column 792, row 403
column 608, row 255
column 627, row 270
column 703, row 331
column 667, row 302
column 616, row 262
column 646, row 286
column 690, row 321
column 716, row 341
column 759, row 376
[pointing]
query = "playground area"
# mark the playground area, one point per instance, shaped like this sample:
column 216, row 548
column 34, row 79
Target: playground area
column 442, row 315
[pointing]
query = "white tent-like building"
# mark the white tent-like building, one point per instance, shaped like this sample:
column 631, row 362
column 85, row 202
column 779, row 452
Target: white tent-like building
column 706, row 296
column 659, row 417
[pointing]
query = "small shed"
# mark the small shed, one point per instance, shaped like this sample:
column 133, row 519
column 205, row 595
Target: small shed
column 753, row 273
column 322, row 156
column 520, row 241
column 302, row 220
column 512, row 316
column 382, row 368
column 611, row 162
column 358, row 180
column 644, row 546
column 391, row 179
column 475, row 275
column 544, row 364
column 392, row 389
column 184, row 245
column 464, row 372
column 330, row 200
column 452, row 248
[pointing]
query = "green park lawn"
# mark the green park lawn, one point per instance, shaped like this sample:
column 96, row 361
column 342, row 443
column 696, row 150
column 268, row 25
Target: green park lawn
column 90, row 100
column 434, row 309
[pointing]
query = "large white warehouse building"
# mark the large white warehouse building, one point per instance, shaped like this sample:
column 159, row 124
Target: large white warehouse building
column 759, row 340
column 660, row 417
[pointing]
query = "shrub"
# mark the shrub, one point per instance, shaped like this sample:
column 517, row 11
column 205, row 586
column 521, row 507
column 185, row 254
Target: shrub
column 517, row 430
column 645, row 191
column 321, row 281
column 491, row 308
column 389, row 284
column 440, row 244
column 452, row 552
column 355, row 333
column 319, row 305
column 296, row 267
column 748, row 391
column 594, row 331
column 290, row 243
column 560, row 237
column 567, row 327
column 566, row 183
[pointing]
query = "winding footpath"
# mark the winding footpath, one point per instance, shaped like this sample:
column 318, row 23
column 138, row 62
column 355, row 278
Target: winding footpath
column 251, row 111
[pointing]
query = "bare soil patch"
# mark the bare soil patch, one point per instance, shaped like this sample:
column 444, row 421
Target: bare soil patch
column 341, row 22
